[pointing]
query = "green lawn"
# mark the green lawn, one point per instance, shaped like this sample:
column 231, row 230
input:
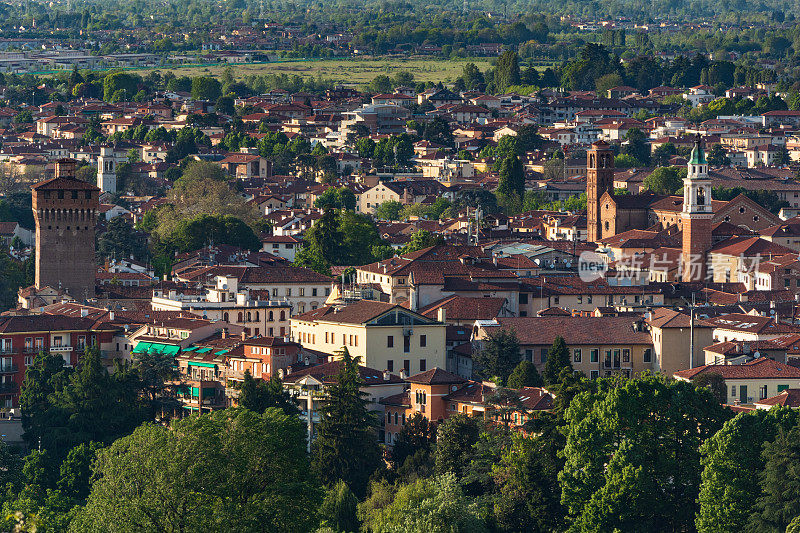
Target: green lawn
column 356, row 71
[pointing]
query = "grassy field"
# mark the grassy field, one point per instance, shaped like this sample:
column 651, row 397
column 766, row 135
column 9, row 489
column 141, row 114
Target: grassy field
column 352, row 71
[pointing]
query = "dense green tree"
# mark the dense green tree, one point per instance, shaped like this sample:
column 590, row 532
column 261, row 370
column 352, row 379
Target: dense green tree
column 732, row 461
column 339, row 509
column 528, row 491
column 455, row 438
column 558, row 360
column 121, row 240
column 665, row 180
column 632, row 454
column 498, row 356
column 506, row 71
column 422, row 239
column 512, row 177
column 259, row 395
column 337, row 198
column 435, row 505
column 418, row 434
column 119, row 83
column 194, row 233
column 200, row 475
column 346, row 447
column 779, row 500
column 714, row 382
column 41, row 379
column 524, row 375
column 389, row 210
column 717, row 156
column 206, row 88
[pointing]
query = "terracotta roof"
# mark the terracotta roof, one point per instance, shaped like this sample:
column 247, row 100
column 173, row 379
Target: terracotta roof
column 465, row 308
column 761, row 368
column 436, row 376
column 787, row 398
column 750, row 324
column 329, row 373
column 575, row 330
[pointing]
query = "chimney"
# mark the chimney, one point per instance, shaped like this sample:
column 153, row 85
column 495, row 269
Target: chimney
column 441, row 314
column 386, row 375
column 403, row 374
column 84, row 312
column 244, row 335
column 111, row 315
column 224, row 333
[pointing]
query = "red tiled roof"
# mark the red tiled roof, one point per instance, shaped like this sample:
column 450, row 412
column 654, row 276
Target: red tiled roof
column 761, row 368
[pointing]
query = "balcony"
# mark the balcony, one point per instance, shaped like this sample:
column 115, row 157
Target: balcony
column 8, row 369
column 60, row 349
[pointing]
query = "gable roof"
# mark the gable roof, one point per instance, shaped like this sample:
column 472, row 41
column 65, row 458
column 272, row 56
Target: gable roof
column 761, row 368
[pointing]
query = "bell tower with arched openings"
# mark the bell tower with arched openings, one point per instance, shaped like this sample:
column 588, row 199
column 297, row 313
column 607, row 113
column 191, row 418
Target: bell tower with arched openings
column 599, row 180
column 65, row 211
column 696, row 215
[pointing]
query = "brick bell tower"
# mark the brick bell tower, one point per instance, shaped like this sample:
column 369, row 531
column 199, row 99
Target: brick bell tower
column 599, row 180
column 65, row 210
column 696, row 215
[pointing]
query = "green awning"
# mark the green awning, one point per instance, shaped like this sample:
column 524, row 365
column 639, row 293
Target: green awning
column 156, row 347
column 203, row 350
column 221, row 352
column 190, row 349
column 195, row 391
column 204, row 365
column 141, row 347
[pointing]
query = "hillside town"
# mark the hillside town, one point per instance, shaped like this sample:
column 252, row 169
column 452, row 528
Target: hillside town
column 558, row 290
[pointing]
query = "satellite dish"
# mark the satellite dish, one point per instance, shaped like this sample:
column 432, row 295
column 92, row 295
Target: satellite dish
column 568, row 264
column 537, row 261
column 756, row 354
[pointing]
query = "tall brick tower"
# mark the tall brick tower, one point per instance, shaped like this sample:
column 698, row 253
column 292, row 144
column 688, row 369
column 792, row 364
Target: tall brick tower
column 696, row 215
column 65, row 209
column 599, row 179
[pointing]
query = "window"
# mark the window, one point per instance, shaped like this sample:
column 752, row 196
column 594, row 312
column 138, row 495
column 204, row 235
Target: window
column 275, row 292
column 555, row 300
column 28, row 360
column 423, row 365
column 543, row 355
column 594, row 374
column 594, row 354
column 389, row 341
column 762, row 392
column 626, row 356
column 313, row 292
column 283, row 316
column 388, row 418
column 288, row 291
column 576, row 355
column 302, row 291
column 406, row 343
column 733, row 390
column 648, row 355
column 529, row 355
column 421, row 397
column 407, row 365
column 423, row 341
column 390, row 365
column 523, row 298
column 782, row 388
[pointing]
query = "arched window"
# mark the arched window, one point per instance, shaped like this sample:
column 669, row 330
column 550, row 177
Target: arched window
column 257, row 316
column 249, row 317
column 283, row 315
column 240, row 317
column 271, row 316
column 225, row 316
column 701, row 196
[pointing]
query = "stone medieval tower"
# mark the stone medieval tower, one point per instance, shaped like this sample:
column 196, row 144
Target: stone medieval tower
column 696, row 215
column 65, row 209
column 599, row 180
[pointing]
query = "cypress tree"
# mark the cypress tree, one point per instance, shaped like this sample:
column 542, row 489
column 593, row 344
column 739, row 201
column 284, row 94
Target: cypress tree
column 346, row 447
